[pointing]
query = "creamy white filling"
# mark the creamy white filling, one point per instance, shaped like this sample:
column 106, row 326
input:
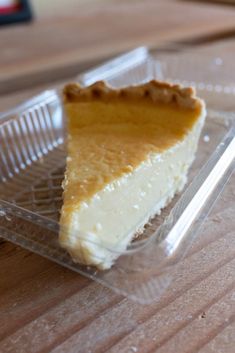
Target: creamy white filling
column 103, row 227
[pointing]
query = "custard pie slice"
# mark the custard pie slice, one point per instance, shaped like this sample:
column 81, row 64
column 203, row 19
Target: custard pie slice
column 129, row 152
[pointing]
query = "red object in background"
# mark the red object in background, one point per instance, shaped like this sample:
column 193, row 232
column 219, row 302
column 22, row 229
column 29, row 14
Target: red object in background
column 8, row 7
column 6, row 10
column 13, row 11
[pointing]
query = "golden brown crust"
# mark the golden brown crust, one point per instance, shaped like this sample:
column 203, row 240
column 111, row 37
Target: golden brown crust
column 157, row 91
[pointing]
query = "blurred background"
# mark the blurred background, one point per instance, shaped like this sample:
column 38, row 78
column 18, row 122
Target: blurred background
column 43, row 42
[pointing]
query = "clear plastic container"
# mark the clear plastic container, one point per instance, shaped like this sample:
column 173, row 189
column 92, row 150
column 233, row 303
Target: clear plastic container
column 32, row 162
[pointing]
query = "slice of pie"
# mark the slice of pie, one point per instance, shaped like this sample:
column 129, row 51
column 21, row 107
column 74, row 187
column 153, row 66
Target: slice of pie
column 129, row 151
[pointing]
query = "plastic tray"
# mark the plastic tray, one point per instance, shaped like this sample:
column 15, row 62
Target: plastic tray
column 32, row 162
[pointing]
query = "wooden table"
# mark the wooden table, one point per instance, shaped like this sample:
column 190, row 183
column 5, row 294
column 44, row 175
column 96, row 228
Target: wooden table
column 46, row 308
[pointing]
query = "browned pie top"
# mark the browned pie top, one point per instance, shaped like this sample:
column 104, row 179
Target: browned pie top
column 111, row 131
column 155, row 91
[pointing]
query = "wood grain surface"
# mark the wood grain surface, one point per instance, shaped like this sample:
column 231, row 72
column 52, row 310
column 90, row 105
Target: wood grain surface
column 46, row 308
column 55, row 47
